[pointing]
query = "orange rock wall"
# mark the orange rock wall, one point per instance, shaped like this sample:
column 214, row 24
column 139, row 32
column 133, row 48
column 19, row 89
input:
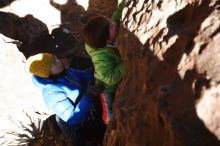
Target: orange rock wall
column 170, row 93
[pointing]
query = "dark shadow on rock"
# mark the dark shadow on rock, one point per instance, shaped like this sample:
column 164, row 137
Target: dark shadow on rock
column 71, row 13
column 154, row 87
column 51, row 134
column 32, row 34
column 101, row 7
column 186, row 23
column 4, row 3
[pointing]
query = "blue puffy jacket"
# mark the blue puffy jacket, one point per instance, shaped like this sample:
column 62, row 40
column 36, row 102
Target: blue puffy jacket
column 64, row 95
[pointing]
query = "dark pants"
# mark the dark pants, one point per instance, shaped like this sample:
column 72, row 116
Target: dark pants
column 90, row 131
column 74, row 133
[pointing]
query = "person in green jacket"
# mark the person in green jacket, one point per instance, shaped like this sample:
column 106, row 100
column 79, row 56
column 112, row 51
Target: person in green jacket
column 99, row 34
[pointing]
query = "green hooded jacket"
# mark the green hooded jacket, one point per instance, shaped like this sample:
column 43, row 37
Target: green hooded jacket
column 108, row 66
column 107, row 61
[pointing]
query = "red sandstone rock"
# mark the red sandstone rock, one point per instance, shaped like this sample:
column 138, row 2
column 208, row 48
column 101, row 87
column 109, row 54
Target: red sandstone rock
column 170, row 93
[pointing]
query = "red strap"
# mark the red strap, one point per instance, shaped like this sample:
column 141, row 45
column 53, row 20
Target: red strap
column 104, row 112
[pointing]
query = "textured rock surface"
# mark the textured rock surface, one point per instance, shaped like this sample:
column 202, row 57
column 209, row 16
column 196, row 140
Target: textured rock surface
column 33, row 34
column 101, row 7
column 170, row 94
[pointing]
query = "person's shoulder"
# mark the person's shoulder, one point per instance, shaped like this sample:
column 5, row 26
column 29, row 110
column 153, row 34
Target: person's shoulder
column 40, row 82
column 36, row 79
column 70, row 70
column 89, row 49
column 112, row 49
column 106, row 49
column 72, row 73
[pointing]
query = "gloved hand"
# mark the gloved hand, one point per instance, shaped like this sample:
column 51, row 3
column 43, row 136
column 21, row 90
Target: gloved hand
column 93, row 91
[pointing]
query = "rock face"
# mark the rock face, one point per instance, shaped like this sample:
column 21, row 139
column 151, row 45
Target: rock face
column 170, row 93
column 101, row 7
column 32, row 35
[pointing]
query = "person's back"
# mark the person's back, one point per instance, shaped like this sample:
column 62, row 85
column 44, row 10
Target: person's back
column 108, row 65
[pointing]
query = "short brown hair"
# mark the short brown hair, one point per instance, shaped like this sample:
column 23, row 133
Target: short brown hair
column 96, row 31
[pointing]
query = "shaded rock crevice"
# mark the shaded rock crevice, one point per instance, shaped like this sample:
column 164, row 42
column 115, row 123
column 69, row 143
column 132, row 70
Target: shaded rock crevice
column 160, row 100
